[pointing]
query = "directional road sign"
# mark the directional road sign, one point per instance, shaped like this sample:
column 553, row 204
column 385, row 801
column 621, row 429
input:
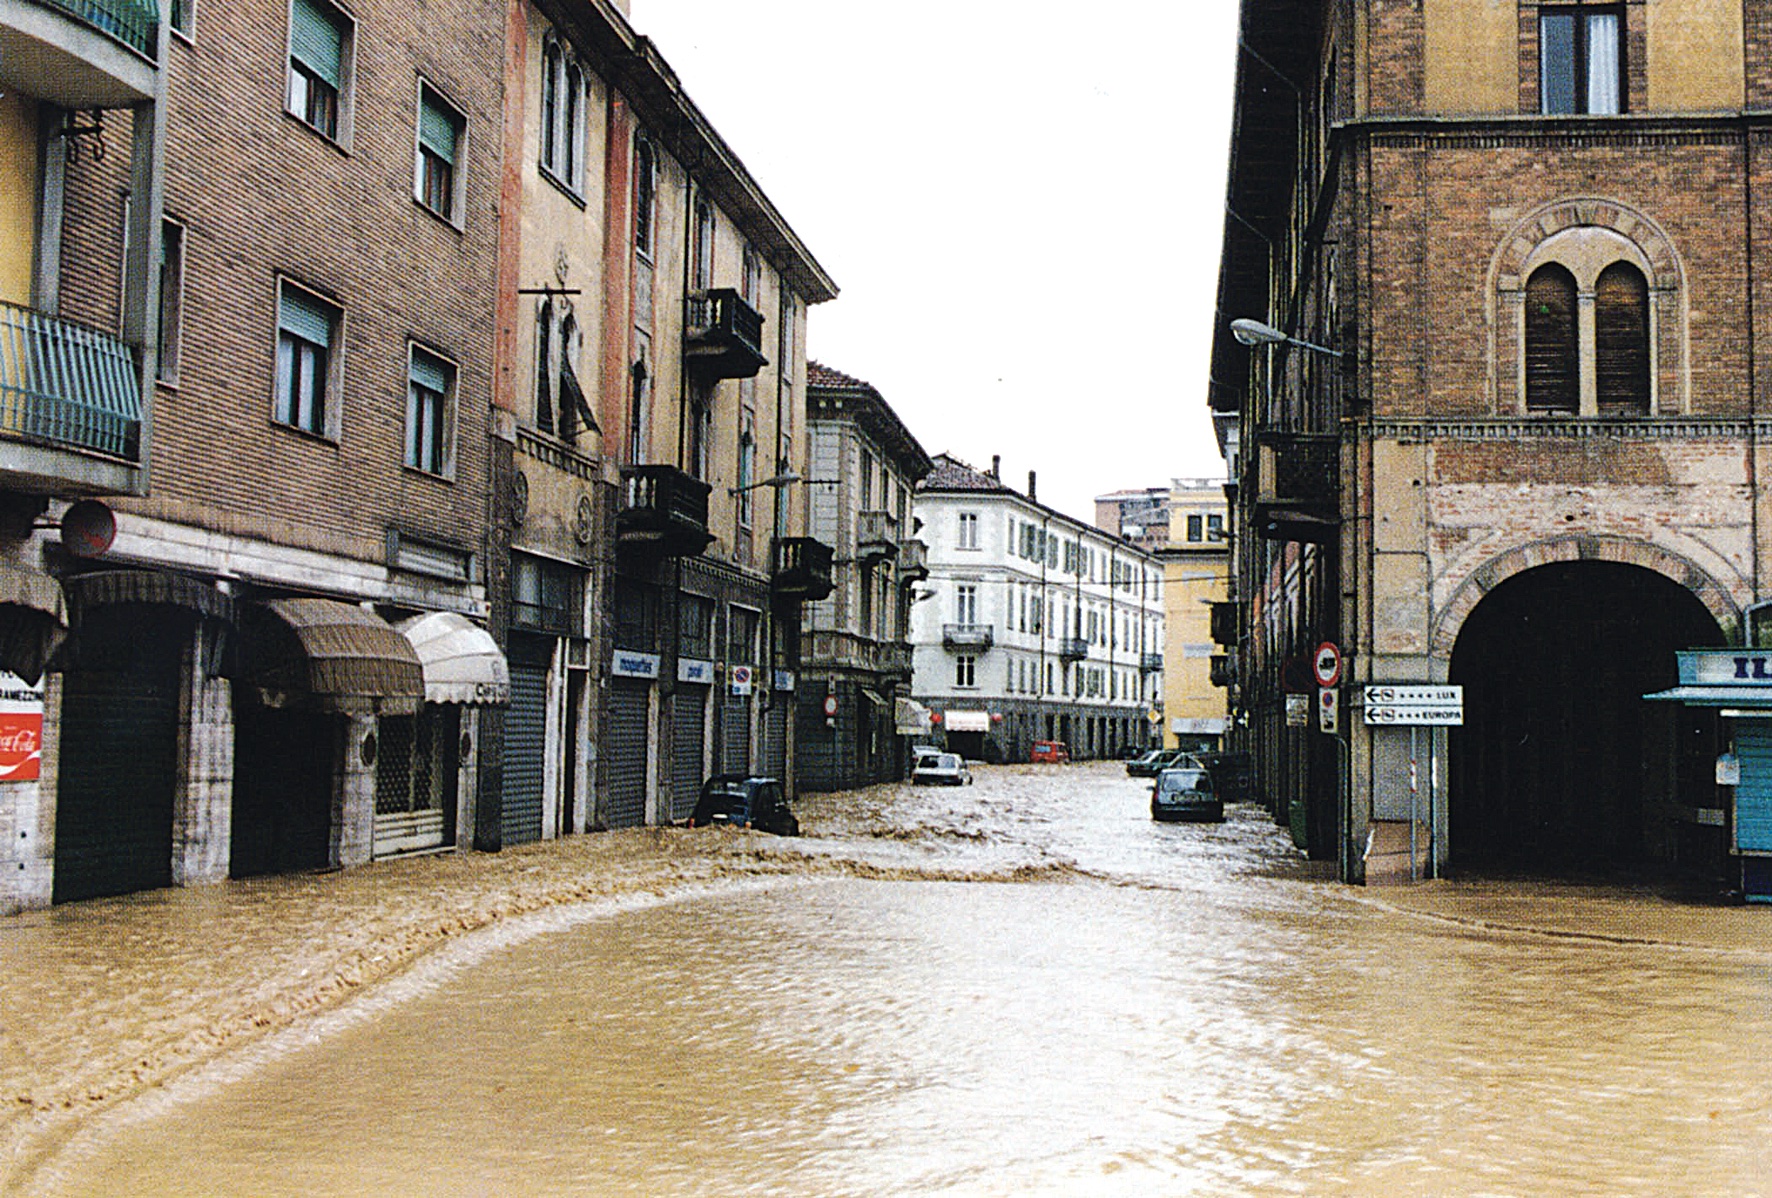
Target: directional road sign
column 1441, row 705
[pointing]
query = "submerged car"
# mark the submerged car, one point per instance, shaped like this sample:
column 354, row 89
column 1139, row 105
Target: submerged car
column 942, row 769
column 1149, row 765
column 1185, row 793
column 1051, row 751
column 738, row 801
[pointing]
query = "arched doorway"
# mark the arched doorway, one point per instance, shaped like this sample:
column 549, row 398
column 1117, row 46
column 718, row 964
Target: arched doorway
column 1560, row 766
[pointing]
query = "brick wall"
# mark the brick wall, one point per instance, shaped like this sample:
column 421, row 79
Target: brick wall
column 261, row 194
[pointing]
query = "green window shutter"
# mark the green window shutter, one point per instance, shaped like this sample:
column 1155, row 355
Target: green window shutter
column 438, row 128
column 430, row 373
column 306, row 318
column 317, row 39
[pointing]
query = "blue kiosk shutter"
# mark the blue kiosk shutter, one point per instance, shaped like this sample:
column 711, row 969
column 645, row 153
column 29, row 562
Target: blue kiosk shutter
column 1753, row 795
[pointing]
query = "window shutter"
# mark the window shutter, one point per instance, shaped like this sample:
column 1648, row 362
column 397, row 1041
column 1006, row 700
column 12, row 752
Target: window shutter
column 438, row 128
column 308, row 319
column 1621, row 341
column 430, row 373
column 1552, row 378
column 317, row 40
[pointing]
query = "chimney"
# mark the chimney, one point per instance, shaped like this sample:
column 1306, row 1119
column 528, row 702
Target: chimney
column 1031, row 494
column 996, row 464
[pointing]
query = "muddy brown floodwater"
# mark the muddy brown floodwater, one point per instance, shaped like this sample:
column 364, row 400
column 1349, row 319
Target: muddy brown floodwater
column 1020, row 987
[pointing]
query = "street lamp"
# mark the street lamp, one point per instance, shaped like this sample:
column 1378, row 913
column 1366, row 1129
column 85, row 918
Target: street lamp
column 781, row 480
column 1254, row 332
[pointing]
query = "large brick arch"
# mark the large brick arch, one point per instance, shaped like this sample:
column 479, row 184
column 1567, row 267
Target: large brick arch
column 1497, row 570
column 1564, row 231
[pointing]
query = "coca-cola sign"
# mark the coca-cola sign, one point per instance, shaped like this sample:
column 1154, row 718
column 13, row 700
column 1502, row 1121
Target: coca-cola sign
column 21, row 729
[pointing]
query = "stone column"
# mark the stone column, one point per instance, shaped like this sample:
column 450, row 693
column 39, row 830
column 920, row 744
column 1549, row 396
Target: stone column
column 353, row 804
column 203, row 800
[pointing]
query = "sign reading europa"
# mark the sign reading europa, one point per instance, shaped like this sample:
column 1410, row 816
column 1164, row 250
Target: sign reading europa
column 21, row 729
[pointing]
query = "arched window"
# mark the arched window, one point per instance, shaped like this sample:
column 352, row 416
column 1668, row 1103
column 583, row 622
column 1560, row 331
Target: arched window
column 1621, row 341
column 1552, row 351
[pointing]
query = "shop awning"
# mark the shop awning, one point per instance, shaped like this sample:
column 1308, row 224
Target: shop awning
column 336, row 655
column 968, row 721
column 1738, row 678
column 33, row 620
column 910, row 718
column 103, row 588
column 461, row 661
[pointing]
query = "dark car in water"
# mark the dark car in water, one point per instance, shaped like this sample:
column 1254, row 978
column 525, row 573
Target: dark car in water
column 1232, row 776
column 741, row 801
column 1185, row 793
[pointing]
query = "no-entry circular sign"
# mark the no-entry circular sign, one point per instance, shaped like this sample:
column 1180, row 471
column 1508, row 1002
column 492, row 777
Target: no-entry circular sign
column 1326, row 664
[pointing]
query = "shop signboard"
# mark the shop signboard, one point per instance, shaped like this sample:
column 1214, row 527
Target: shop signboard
column 21, row 729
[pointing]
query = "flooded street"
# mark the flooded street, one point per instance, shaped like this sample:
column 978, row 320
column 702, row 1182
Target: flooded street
column 1021, row 987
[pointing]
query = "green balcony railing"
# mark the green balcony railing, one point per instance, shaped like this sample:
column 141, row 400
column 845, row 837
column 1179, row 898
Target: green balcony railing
column 68, row 385
column 135, row 23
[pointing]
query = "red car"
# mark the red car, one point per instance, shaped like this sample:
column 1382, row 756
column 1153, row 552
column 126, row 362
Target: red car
column 1053, row 752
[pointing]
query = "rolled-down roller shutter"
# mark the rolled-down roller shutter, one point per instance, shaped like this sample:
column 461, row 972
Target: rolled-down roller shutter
column 688, row 748
column 625, row 747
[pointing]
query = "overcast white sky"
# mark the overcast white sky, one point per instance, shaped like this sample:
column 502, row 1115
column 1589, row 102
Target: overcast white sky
column 1021, row 205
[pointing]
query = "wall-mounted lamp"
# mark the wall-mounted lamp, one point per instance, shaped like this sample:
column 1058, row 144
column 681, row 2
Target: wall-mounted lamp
column 1254, row 332
column 780, row 480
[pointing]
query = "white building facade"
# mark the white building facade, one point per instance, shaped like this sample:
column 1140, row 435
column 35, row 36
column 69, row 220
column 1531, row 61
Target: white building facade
column 1032, row 625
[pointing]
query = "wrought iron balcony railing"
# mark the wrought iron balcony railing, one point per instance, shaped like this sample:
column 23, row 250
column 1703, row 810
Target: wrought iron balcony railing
column 134, row 23
column 1151, row 663
column 1073, row 648
column 968, row 636
column 1298, row 486
column 724, row 335
column 663, row 510
column 68, row 385
column 802, row 569
column 1227, row 621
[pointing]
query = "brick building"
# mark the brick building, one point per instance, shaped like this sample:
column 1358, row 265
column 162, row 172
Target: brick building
column 441, row 369
column 855, row 705
column 1514, row 442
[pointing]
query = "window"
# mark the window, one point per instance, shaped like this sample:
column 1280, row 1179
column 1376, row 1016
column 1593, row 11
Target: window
column 172, row 294
column 1621, row 341
column 1581, row 58
column 747, row 467
column 695, row 622
column 965, row 670
column 430, row 390
column 1196, row 530
column 966, row 603
column 437, row 179
column 562, row 116
column 1215, row 528
column 645, row 195
column 545, row 595
column 307, row 333
column 178, row 15
column 702, row 258
column 968, row 530
column 741, row 634
column 753, row 278
column 319, row 45
column 867, row 481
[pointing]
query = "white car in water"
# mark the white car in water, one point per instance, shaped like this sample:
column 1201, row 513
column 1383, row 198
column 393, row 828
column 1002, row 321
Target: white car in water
column 941, row 769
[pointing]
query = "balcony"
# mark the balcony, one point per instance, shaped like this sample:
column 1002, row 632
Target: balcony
column 1072, row 648
column 802, row 569
column 1224, row 670
column 913, row 561
column 1298, row 486
column 663, row 512
column 973, row 638
column 723, row 336
column 1151, row 663
column 851, row 651
column 876, row 536
column 80, row 54
column 70, row 406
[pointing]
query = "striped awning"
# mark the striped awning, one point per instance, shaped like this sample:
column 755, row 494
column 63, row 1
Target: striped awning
column 33, row 620
column 461, row 661
column 103, row 588
column 337, row 656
